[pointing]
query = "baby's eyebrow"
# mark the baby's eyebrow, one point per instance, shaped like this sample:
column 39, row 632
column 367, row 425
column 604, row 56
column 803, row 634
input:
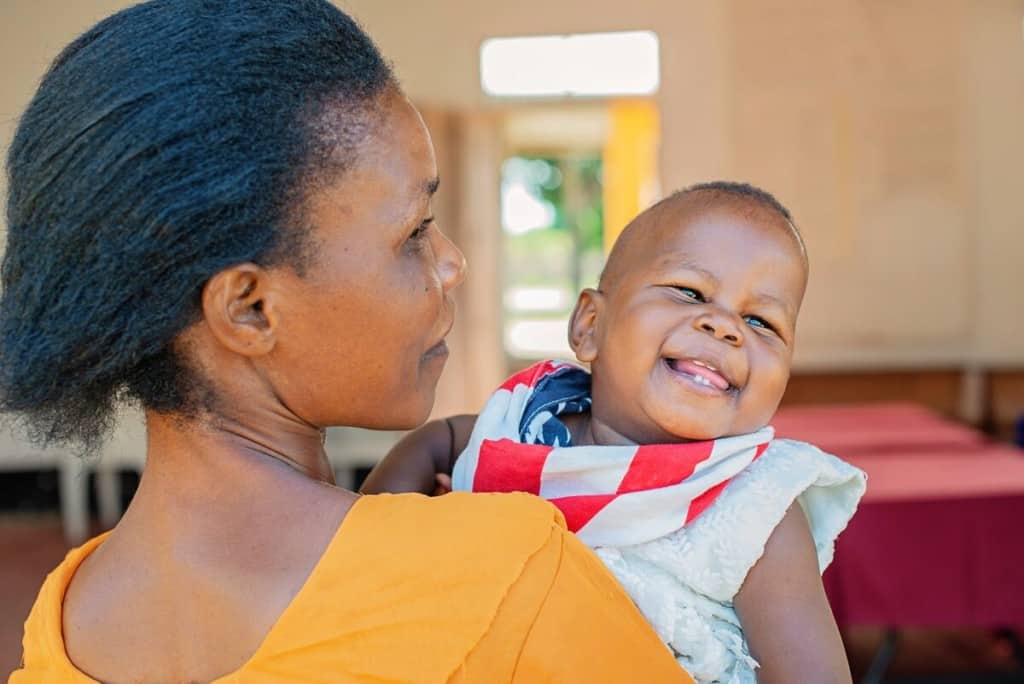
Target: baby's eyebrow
column 675, row 260
column 765, row 298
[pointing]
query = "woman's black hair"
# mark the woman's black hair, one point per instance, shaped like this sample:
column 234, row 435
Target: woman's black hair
column 172, row 140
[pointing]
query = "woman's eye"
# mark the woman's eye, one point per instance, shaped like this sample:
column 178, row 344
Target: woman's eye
column 690, row 293
column 421, row 230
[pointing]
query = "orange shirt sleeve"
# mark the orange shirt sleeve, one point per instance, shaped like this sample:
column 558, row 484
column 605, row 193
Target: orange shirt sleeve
column 566, row 619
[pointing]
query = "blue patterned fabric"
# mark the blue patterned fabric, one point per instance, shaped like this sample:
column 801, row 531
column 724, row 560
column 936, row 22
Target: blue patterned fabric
column 565, row 391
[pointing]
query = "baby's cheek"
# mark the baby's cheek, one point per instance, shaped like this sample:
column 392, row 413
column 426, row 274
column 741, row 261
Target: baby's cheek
column 771, row 367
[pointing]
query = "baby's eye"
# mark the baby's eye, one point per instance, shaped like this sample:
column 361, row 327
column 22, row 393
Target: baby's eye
column 758, row 322
column 690, row 293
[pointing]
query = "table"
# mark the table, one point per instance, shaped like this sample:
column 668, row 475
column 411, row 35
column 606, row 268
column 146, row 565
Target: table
column 936, row 542
column 885, row 427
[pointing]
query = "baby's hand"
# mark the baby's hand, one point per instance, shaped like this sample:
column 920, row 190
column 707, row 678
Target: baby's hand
column 444, row 484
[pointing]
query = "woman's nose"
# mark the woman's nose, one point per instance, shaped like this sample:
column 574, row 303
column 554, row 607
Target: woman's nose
column 451, row 264
column 721, row 325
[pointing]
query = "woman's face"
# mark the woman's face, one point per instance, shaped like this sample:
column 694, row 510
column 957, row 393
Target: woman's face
column 361, row 338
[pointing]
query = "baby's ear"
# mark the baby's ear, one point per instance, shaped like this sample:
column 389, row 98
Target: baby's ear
column 583, row 325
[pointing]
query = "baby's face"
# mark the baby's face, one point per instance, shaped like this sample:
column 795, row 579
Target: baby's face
column 693, row 338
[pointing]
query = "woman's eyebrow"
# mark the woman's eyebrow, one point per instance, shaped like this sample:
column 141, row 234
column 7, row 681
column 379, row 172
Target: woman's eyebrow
column 430, row 187
column 427, row 189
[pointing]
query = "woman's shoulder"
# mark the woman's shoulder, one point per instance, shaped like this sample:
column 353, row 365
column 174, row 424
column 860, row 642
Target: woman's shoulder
column 471, row 512
column 411, row 586
column 43, row 641
column 509, row 525
column 468, row 588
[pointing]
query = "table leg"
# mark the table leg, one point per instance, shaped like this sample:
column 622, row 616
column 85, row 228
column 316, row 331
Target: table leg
column 108, row 494
column 883, row 657
column 345, row 477
column 1012, row 639
column 74, row 500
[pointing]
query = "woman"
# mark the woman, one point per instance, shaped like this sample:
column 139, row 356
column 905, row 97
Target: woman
column 220, row 209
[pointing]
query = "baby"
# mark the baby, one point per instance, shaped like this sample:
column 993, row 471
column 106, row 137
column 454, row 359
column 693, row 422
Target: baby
column 689, row 337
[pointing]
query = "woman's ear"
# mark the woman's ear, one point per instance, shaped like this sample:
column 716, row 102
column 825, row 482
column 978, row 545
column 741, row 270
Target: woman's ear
column 239, row 308
column 584, row 323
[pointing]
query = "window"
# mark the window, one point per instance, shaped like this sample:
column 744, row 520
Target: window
column 552, row 218
column 591, row 64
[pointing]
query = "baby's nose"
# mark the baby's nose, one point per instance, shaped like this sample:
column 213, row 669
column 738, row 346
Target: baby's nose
column 721, row 326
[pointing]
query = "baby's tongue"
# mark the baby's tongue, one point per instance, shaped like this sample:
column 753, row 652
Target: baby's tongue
column 711, row 376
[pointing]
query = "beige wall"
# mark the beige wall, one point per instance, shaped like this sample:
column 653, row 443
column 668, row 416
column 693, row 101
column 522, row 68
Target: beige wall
column 32, row 32
column 891, row 129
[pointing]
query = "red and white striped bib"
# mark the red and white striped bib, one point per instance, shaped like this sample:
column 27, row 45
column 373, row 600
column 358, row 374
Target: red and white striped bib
column 610, row 495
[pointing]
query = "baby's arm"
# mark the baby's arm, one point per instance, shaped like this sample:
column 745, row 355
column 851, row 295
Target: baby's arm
column 784, row 613
column 414, row 464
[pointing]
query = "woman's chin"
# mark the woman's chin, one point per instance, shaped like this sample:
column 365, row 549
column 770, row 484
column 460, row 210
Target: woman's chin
column 409, row 424
column 408, row 418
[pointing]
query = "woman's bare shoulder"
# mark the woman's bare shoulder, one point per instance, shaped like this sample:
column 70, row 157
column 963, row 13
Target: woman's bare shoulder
column 142, row 590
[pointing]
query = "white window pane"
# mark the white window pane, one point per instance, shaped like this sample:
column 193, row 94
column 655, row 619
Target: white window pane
column 585, row 64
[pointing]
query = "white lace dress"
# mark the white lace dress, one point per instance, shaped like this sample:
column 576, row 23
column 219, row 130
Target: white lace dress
column 684, row 583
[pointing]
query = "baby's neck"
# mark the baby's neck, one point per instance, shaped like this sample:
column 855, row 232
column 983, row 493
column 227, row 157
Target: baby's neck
column 586, row 431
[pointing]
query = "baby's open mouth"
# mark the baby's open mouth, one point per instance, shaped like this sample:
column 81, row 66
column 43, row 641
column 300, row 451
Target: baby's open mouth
column 701, row 373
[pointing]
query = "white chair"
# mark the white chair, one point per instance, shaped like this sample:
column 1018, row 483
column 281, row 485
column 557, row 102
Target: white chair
column 125, row 450
column 352, row 448
column 18, row 454
column 347, row 448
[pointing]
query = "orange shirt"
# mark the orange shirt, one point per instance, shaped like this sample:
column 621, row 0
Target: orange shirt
column 460, row 588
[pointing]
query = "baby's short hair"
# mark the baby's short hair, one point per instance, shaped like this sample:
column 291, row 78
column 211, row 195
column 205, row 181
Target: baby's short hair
column 708, row 195
column 734, row 190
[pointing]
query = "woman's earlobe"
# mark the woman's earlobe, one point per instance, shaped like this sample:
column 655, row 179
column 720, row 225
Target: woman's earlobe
column 238, row 309
column 583, row 325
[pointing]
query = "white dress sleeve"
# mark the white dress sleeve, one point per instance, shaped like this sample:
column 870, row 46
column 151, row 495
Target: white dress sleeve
column 684, row 583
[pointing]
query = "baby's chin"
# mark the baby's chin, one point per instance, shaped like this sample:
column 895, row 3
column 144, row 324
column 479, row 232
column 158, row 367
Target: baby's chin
column 682, row 435
column 694, row 437
column 669, row 429
column 660, row 434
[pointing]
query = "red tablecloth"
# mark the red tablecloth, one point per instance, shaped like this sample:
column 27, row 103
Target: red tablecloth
column 937, row 541
column 845, row 429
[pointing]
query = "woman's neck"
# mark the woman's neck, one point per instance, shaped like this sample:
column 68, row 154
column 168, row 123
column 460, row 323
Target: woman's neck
column 268, row 437
column 221, row 467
